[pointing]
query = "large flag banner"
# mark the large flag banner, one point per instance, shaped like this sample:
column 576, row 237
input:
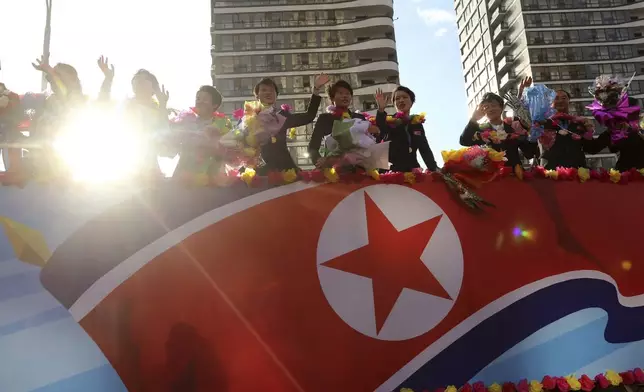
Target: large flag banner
column 318, row 287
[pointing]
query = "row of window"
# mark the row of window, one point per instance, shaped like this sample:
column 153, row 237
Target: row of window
column 254, row 3
column 286, row 19
column 580, row 72
column 581, row 36
column 586, row 53
column 580, row 90
column 578, row 19
column 531, row 5
column 310, row 39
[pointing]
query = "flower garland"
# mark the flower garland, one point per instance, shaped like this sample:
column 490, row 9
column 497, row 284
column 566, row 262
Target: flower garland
column 401, row 118
column 338, row 113
column 548, row 383
column 490, row 135
column 560, row 123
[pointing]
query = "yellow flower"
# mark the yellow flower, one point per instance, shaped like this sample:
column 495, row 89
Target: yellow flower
column 614, row 378
column 374, row 174
column 331, row 175
column 273, row 139
column 552, row 174
column 496, row 156
column 289, row 176
column 451, row 388
column 248, row 175
column 346, row 115
column 575, row 385
column 406, row 390
column 291, row 133
column 453, row 155
column 494, row 388
column 583, row 174
column 535, row 386
column 641, row 171
column 615, row 176
column 410, row 178
column 201, row 179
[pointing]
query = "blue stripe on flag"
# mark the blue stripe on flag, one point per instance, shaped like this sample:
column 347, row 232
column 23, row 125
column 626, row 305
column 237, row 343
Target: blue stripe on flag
column 45, row 317
column 102, row 379
column 16, row 286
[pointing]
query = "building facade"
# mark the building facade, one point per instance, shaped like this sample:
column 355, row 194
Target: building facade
column 292, row 41
column 564, row 44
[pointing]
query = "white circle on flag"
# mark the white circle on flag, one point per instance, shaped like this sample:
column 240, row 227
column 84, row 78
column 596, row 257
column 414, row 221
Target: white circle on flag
column 352, row 296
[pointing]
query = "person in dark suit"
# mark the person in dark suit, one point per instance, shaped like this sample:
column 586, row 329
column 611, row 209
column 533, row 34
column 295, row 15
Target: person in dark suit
column 275, row 154
column 507, row 139
column 405, row 132
column 341, row 96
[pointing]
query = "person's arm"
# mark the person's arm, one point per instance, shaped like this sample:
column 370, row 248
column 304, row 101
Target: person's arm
column 324, row 123
column 596, row 145
column 300, row 119
column 108, row 77
column 467, row 137
column 426, row 152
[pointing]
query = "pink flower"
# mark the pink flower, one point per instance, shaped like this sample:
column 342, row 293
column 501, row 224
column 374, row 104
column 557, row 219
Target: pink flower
column 587, row 384
column 467, row 388
column 639, row 375
column 479, row 387
column 509, row 387
column 548, row 383
column 628, row 377
column 602, row 381
column 562, row 384
column 285, row 107
column 238, row 114
column 523, row 385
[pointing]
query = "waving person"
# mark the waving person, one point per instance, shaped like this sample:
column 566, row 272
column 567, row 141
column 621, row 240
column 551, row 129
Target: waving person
column 274, row 151
column 405, row 131
column 500, row 134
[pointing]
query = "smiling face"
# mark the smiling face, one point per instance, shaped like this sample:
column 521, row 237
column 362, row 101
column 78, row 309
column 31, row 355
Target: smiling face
column 561, row 102
column 342, row 97
column 493, row 110
column 266, row 94
column 402, row 101
column 204, row 104
column 143, row 86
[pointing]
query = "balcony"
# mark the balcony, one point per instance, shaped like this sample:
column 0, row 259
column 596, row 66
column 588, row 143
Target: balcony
column 507, row 81
column 500, row 32
column 502, row 48
column 497, row 16
column 504, row 64
column 491, row 4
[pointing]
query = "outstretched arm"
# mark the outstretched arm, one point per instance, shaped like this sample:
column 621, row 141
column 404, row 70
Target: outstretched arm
column 108, row 73
column 300, row 119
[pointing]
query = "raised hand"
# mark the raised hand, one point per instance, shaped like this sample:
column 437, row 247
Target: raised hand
column 320, row 80
column 381, row 99
column 479, row 113
column 526, row 82
column 162, row 95
column 108, row 70
column 42, row 65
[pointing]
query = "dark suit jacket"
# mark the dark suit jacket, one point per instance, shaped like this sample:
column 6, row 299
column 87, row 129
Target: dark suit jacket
column 406, row 140
column 276, row 155
column 510, row 146
column 323, row 127
column 566, row 151
column 630, row 149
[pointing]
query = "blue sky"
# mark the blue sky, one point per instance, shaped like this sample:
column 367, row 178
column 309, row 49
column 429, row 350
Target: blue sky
column 430, row 64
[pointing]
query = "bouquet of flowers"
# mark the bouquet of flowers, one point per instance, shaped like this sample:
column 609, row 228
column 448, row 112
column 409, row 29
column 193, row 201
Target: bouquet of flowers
column 474, row 165
column 352, row 144
column 259, row 125
column 612, row 107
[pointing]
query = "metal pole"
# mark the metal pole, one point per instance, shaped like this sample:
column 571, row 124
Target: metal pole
column 47, row 40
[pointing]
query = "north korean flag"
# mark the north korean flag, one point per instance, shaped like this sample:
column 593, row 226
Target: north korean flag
column 339, row 287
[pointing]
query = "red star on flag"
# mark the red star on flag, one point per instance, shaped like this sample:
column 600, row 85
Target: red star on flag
column 392, row 260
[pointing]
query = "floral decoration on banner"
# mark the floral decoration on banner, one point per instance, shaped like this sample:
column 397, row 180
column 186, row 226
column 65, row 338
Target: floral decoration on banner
column 491, row 135
column 473, row 165
column 548, row 383
column 401, row 118
column 338, row 113
column 559, row 124
column 286, row 107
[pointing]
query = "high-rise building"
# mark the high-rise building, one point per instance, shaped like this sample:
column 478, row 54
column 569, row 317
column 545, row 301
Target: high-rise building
column 292, row 41
column 564, row 44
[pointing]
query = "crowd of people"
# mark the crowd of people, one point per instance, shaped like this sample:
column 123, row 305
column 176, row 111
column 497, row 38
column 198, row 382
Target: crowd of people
column 256, row 136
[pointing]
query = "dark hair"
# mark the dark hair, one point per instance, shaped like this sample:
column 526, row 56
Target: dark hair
column 214, row 94
column 144, row 73
column 333, row 89
column 565, row 92
column 491, row 97
column 266, row 82
column 404, row 89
